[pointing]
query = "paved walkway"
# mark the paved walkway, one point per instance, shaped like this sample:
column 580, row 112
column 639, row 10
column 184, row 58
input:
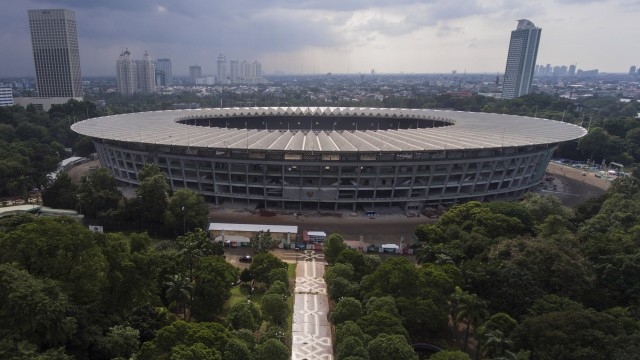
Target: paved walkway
column 311, row 331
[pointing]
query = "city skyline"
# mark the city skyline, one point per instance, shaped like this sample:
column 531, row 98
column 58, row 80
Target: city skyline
column 340, row 37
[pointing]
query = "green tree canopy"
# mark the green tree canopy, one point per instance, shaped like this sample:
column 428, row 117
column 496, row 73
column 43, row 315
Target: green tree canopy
column 390, row 347
column 214, row 277
column 332, row 247
column 347, row 309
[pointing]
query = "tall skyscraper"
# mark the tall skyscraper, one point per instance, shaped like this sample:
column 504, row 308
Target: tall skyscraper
column 54, row 39
column 195, row 71
column 126, row 77
column 572, row 70
column 164, row 67
column 222, row 69
column 147, row 74
column 632, row 70
column 523, row 50
column 135, row 76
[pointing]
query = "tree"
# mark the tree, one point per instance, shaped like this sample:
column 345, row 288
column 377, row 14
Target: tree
column 271, row 349
column 261, row 242
column 189, row 340
column 541, row 206
column 351, row 347
column 237, row 350
column 275, row 308
column 339, row 288
column 152, row 194
column 347, row 309
column 132, row 272
column 348, row 329
column 377, row 323
column 61, row 194
column 278, row 288
column 193, row 246
column 98, row 194
column 214, row 278
column 245, row 275
column 495, row 343
column 186, row 211
column 245, row 315
column 197, row 351
column 147, row 320
column 262, row 265
column 34, row 309
column 356, row 259
column 421, row 316
column 60, row 249
column 279, row 274
column 332, row 247
column 386, row 304
column 396, row 276
column 180, row 290
column 344, row 271
column 450, row 355
column 121, row 342
column 390, row 347
column 473, row 311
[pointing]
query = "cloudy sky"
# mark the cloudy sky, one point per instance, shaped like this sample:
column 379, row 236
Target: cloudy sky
column 339, row 36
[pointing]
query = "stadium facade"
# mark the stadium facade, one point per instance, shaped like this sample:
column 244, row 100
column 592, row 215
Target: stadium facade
column 325, row 158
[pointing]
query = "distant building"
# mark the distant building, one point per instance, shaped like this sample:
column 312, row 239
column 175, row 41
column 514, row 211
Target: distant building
column 195, row 71
column 163, row 66
column 56, row 56
column 222, row 69
column 126, row 77
column 147, row 75
column 6, row 96
column 135, row 76
column 632, row 70
column 572, row 70
column 521, row 60
column 234, row 71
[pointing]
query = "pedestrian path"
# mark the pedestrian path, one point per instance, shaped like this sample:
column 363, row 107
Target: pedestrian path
column 311, row 331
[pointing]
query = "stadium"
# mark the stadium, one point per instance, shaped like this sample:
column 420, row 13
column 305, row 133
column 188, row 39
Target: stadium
column 332, row 159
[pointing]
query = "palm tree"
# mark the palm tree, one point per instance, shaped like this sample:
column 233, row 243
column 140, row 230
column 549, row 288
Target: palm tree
column 495, row 343
column 473, row 311
column 179, row 289
column 520, row 355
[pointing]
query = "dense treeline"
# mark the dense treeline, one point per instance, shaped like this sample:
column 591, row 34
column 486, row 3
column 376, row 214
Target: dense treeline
column 33, row 143
column 528, row 280
column 66, row 292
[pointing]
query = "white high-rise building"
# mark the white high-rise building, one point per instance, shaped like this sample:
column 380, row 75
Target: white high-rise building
column 54, row 39
column 521, row 61
column 126, row 74
column 147, row 75
column 222, row 69
column 135, row 76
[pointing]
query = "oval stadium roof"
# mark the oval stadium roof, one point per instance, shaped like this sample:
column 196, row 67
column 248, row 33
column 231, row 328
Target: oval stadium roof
column 468, row 131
